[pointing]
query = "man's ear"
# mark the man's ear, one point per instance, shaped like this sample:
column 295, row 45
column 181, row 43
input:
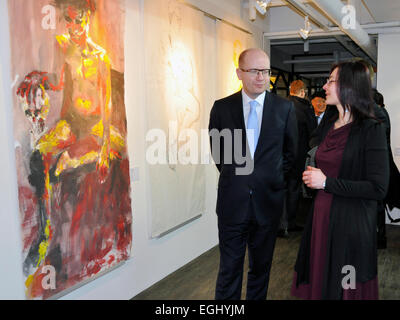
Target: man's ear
column 239, row 73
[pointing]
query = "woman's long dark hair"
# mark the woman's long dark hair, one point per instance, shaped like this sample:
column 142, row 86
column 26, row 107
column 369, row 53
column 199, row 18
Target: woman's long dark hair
column 354, row 89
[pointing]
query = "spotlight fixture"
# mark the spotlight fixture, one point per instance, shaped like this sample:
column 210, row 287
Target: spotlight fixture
column 261, row 6
column 304, row 33
column 257, row 5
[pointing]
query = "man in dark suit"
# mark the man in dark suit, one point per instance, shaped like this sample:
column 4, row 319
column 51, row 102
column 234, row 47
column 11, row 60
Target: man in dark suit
column 392, row 198
column 250, row 129
column 306, row 124
column 318, row 101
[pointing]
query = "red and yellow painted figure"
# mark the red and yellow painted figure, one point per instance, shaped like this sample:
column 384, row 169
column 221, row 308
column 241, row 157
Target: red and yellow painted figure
column 87, row 102
column 83, row 134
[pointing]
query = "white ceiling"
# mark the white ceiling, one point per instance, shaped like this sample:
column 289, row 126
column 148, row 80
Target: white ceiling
column 369, row 11
column 283, row 18
column 383, row 10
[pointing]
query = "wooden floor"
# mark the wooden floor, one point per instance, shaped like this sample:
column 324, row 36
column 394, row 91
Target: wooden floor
column 196, row 280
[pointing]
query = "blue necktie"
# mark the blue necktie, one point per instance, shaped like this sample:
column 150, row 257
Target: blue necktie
column 252, row 124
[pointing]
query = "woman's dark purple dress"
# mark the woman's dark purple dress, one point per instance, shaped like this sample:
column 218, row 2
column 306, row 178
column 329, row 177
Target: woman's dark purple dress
column 328, row 158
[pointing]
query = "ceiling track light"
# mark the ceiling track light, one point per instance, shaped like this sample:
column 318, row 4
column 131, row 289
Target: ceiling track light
column 305, row 33
column 261, row 6
column 257, row 5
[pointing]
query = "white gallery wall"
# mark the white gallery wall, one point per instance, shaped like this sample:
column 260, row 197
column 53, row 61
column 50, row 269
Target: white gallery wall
column 152, row 259
column 11, row 280
column 388, row 83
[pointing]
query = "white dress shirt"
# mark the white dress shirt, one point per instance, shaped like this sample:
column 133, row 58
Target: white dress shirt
column 319, row 118
column 259, row 108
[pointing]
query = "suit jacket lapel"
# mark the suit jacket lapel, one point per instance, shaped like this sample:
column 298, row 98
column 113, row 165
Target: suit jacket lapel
column 238, row 118
column 264, row 123
column 237, row 111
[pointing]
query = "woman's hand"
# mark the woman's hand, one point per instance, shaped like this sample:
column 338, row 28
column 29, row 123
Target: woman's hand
column 314, row 178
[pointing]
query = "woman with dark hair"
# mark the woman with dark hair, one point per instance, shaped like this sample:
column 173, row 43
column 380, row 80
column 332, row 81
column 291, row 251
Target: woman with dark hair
column 337, row 258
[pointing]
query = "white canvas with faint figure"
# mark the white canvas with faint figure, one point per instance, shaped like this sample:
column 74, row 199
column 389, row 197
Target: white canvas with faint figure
column 174, row 106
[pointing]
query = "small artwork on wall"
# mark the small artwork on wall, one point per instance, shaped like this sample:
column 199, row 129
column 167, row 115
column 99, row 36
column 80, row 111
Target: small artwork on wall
column 70, row 131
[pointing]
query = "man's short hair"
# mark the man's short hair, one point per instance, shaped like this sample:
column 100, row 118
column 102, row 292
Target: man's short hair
column 378, row 98
column 296, row 86
column 242, row 56
column 318, row 94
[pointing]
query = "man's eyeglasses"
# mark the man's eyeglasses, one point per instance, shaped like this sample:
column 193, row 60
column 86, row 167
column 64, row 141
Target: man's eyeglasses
column 255, row 72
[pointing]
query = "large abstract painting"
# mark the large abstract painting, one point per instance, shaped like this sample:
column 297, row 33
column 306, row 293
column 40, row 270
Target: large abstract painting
column 174, row 103
column 70, row 132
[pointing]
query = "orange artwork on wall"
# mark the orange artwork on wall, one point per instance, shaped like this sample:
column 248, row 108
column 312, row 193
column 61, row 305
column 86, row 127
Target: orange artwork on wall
column 70, row 128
